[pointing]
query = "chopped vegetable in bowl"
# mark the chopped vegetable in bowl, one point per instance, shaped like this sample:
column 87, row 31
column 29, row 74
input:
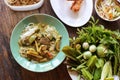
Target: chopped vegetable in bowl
column 39, row 42
column 94, row 53
column 108, row 9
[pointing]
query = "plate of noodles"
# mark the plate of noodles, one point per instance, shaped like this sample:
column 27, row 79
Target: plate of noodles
column 24, row 5
column 74, row 13
column 36, row 42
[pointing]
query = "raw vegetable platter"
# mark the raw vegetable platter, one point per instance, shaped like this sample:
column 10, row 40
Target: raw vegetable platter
column 94, row 54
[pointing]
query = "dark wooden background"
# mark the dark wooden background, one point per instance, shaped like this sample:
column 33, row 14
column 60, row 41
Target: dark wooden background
column 9, row 69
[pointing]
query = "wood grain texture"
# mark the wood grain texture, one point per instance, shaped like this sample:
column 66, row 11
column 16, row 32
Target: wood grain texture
column 9, row 69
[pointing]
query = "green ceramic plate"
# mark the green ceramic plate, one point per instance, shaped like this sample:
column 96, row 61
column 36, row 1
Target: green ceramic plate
column 38, row 67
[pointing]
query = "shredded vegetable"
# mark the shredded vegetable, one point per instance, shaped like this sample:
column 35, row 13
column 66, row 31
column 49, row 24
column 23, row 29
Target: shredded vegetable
column 108, row 9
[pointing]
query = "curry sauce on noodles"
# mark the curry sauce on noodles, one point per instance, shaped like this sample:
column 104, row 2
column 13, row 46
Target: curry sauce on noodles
column 39, row 42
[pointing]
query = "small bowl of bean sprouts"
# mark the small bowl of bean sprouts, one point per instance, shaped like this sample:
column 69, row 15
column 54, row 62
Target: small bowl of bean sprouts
column 107, row 10
column 24, row 5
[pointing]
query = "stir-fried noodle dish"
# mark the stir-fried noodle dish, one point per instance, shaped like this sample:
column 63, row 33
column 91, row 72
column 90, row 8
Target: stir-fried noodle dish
column 39, row 42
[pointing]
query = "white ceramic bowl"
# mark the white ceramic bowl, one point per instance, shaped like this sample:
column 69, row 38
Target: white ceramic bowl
column 26, row 7
column 96, row 3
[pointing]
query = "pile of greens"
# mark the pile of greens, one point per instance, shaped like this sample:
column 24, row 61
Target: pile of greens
column 94, row 53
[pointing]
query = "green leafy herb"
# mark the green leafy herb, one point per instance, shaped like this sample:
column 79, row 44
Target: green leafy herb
column 104, row 61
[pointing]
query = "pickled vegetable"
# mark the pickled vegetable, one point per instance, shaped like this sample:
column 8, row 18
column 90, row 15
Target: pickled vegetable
column 70, row 52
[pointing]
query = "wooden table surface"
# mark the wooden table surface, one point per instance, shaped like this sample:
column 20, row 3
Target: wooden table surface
column 9, row 68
